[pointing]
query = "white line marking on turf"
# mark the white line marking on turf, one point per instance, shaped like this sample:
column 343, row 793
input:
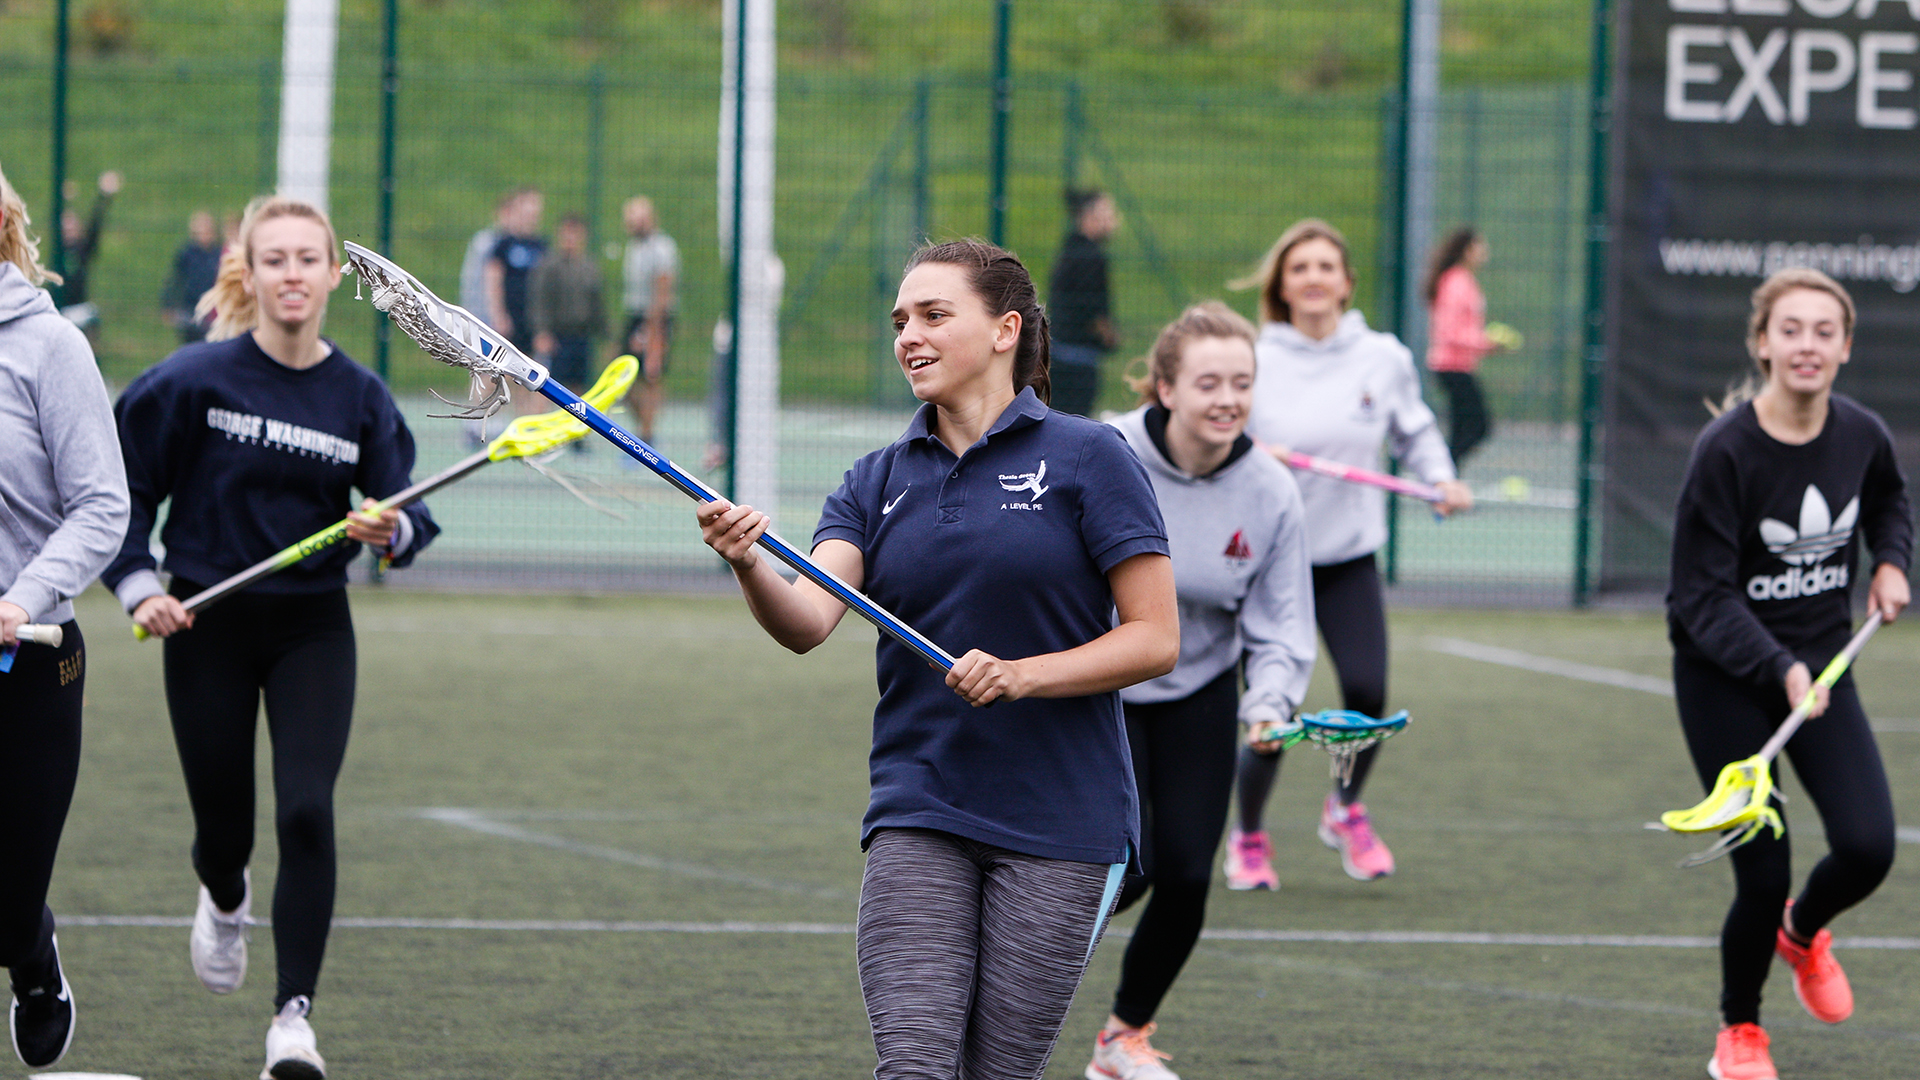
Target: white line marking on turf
column 1547, row 665
column 1304, row 937
column 480, row 823
column 1907, row 835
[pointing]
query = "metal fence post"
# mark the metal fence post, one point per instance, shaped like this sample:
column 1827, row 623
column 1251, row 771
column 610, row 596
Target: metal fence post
column 1002, row 108
column 389, row 97
column 596, row 150
column 1595, row 336
column 922, row 160
column 56, row 202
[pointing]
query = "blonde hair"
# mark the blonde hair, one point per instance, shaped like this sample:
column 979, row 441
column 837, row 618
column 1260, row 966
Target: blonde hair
column 1267, row 276
column 1769, row 292
column 1206, row 319
column 235, row 311
column 18, row 245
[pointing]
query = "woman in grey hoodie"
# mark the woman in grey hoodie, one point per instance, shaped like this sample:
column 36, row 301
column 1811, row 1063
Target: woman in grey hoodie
column 63, row 511
column 1239, row 541
column 1333, row 388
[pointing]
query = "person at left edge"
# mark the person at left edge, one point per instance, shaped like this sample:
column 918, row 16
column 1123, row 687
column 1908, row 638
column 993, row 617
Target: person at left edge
column 63, row 496
column 996, row 839
column 258, row 437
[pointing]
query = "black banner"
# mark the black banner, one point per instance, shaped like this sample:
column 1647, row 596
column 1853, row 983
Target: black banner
column 1751, row 135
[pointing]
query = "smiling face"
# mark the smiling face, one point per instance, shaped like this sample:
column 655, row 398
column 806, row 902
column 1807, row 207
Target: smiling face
column 291, row 271
column 1314, row 281
column 1805, row 342
column 950, row 346
column 1211, row 396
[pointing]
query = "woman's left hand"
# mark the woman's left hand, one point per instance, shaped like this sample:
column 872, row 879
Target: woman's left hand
column 1889, row 594
column 984, row 679
column 1454, row 498
column 373, row 529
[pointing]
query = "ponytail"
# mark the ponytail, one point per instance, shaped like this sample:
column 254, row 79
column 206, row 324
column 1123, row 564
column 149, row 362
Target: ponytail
column 236, row 311
column 18, row 245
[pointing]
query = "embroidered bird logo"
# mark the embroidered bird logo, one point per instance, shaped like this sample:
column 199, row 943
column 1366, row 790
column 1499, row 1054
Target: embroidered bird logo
column 1029, row 481
column 1819, row 535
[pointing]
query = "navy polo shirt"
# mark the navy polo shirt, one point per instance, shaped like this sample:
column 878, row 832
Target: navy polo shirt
column 1004, row 549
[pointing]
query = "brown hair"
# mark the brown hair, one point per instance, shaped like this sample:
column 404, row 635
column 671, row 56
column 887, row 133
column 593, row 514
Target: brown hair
column 18, row 245
column 1001, row 281
column 1267, row 276
column 1206, row 319
column 1769, row 292
column 1450, row 253
column 236, row 312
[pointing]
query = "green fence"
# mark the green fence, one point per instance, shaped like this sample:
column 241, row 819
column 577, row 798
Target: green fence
column 1215, row 124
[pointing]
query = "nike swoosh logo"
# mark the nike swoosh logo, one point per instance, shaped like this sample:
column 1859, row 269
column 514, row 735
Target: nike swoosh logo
column 888, row 507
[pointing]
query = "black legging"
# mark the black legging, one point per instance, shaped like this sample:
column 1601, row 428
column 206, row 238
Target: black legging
column 1351, row 611
column 1727, row 719
column 39, row 762
column 1183, row 767
column 1468, row 422
column 299, row 651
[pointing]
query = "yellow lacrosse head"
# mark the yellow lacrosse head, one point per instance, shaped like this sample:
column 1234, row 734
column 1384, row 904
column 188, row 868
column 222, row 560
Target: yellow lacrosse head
column 1505, row 336
column 531, row 436
column 1742, row 795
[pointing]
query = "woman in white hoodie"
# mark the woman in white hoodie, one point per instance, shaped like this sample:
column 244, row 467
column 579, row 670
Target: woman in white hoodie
column 1332, row 388
column 63, row 510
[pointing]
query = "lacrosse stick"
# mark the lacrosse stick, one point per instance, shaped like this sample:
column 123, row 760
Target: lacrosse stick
column 1738, row 807
column 1354, row 474
column 1342, row 733
column 525, row 438
column 452, row 335
column 31, row 634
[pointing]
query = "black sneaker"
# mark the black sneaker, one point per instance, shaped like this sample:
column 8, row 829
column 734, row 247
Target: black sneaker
column 42, row 1018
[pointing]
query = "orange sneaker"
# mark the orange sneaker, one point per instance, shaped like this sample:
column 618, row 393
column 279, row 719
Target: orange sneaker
column 1740, row 1053
column 1817, row 979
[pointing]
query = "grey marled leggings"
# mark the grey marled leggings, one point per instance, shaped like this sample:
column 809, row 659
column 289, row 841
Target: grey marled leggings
column 970, row 953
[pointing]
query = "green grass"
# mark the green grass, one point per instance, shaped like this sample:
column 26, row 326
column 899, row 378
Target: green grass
column 671, row 729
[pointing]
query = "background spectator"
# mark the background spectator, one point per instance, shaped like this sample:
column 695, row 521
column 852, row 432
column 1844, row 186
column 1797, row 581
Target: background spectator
column 1079, row 307
column 567, row 309
column 195, row 265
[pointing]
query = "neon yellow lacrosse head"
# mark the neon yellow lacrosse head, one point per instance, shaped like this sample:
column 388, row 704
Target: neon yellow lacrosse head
column 1742, row 795
column 531, row 436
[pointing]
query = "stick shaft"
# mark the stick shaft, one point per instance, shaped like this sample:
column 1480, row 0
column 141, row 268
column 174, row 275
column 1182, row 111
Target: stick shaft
column 334, row 533
column 41, row 634
column 1836, row 668
column 1356, row 475
column 696, row 489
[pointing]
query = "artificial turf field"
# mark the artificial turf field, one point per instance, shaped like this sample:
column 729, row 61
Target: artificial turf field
column 650, row 769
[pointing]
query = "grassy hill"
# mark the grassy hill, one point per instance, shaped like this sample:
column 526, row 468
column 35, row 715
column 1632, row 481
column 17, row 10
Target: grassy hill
column 1217, row 122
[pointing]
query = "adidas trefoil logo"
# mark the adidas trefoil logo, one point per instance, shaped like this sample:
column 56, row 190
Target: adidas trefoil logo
column 1819, row 536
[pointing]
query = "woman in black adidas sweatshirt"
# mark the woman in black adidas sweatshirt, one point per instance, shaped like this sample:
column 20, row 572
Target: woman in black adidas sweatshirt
column 259, row 437
column 1763, row 555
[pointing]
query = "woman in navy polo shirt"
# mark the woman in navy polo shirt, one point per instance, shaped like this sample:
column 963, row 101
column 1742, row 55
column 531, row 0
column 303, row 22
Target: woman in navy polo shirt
column 995, row 839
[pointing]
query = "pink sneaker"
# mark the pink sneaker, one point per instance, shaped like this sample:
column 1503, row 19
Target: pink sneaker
column 1349, row 831
column 1250, row 861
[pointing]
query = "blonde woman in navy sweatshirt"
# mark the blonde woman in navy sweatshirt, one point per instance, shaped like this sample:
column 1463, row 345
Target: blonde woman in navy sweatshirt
column 259, row 437
column 1333, row 388
column 1763, row 558
column 1239, row 542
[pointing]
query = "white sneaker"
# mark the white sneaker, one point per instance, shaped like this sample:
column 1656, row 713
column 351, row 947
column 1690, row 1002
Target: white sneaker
column 291, row 1053
column 218, row 945
column 1126, row 1055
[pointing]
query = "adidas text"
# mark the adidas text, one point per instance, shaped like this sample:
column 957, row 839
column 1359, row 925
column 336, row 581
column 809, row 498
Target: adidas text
column 1809, row 582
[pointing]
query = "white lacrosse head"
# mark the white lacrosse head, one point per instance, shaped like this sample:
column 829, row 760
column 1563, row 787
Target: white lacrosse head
column 447, row 332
